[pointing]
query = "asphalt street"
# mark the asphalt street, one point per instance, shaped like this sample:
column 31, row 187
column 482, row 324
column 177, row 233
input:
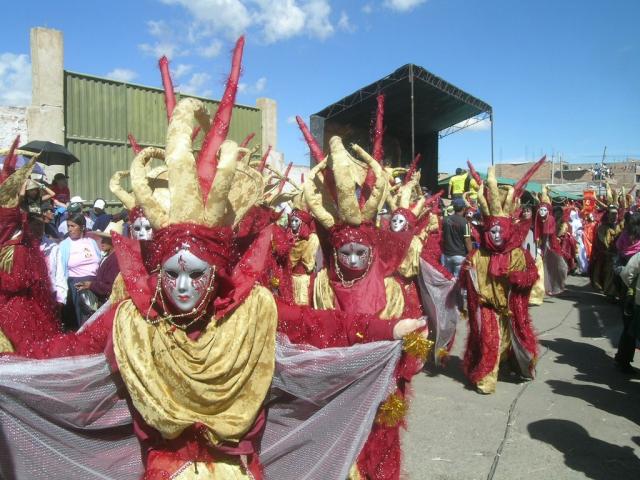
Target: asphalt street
column 580, row 417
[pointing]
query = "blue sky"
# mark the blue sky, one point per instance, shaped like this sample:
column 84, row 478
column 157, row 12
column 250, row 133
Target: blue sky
column 562, row 76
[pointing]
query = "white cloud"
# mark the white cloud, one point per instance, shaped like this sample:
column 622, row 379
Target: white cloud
column 158, row 49
column 122, row 74
column 367, row 8
column 196, row 85
column 212, row 50
column 227, row 17
column 274, row 20
column 291, row 119
column 317, row 19
column 15, row 79
column 402, row 5
column 345, row 24
column 181, row 70
column 253, row 89
column 474, row 125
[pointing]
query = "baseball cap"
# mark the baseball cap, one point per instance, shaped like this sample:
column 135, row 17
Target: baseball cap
column 77, row 199
column 99, row 203
column 58, row 176
column 458, row 204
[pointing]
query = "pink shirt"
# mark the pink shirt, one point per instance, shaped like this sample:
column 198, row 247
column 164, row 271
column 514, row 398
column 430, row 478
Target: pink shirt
column 83, row 261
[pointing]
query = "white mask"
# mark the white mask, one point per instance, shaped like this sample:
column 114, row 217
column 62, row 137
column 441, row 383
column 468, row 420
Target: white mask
column 185, row 279
column 496, row 235
column 543, row 211
column 141, row 229
column 354, row 256
column 398, row 222
column 295, row 224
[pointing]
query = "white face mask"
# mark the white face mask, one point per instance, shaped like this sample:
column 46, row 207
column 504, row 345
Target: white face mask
column 398, row 223
column 186, row 279
column 496, row 235
column 543, row 211
column 295, row 223
column 141, row 229
column 354, row 256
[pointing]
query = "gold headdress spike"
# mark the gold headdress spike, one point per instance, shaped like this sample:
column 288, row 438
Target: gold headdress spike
column 331, row 206
column 156, row 181
column 216, row 190
column 11, row 180
column 408, row 195
column 115, row 185
column 501, row 202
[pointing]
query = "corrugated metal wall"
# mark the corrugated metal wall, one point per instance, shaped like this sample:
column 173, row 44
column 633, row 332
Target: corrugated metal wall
column 99, row 113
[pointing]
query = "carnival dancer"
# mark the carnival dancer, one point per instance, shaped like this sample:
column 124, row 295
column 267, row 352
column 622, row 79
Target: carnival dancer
column 604, row 251
column 566, row 239
column 359, row 279
column 529, row 244
column 498, row 278
column 544, row 230
column 28, row 312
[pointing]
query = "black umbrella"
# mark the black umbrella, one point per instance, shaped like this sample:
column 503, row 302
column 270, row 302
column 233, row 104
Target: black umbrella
column 50, row 153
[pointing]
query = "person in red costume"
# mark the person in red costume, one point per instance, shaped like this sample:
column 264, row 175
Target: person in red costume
column 28, row 312
column 498, row 278
column 359, row 278
column 545, row 235
column 566, row 241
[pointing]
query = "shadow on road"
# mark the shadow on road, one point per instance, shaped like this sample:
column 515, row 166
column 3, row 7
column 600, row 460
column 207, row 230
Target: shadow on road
column 597, row 316
column 595, row 458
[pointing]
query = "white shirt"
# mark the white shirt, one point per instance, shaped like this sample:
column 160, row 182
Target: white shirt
column 51, row 253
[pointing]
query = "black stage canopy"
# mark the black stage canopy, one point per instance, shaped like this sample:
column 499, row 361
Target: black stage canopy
column 420, row 108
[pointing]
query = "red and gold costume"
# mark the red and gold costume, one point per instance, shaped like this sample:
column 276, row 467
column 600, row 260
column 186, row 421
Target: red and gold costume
column 330, row 193
column 498, row 278
column 28, row 312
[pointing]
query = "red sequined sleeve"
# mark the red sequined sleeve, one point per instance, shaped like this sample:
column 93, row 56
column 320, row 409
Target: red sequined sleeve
column 331, row 328
column 92, row 340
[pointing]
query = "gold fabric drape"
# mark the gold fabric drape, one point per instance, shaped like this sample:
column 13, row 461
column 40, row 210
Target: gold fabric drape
column 410, row 265
column 493, row 291
column 219, row 379
column 220, row 470
column 6, row 258
column 5, row 343
column 300, row 284
column 118, row 290
column 537, row 291
column 304, row 251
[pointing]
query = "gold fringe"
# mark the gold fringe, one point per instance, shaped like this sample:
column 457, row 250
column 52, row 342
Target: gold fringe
column 417, row 345
column 5, row 344
column 392, row 410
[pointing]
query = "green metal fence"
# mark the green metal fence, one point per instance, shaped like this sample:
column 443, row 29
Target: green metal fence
column 100, row 113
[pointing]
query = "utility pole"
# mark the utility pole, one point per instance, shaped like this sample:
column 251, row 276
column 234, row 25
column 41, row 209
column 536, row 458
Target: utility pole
column 561, row 169
column 553, row 167
column 604, row 154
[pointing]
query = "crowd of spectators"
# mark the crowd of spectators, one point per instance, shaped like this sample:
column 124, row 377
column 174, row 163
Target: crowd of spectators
column 75, row 238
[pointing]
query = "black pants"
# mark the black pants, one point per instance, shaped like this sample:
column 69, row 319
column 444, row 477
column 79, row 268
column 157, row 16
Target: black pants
column 627, row 342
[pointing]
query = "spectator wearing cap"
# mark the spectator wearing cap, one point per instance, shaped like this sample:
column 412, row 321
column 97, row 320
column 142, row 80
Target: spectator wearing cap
column 456, row 237
column 108, row 269
column 80, row 258
column 456, row 184
column 51, row 252
column 48, row 220
column 60, row 188
column 32, row 194
column 102, row 218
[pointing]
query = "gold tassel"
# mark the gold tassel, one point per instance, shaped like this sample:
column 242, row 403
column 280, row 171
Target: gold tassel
column 442, row 354
column 392, row 411
column 417, row 345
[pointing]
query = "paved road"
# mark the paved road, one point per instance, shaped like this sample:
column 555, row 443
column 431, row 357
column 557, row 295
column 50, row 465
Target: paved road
column 580, row 418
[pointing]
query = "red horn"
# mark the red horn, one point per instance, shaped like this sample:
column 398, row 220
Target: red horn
column 316, row 151
column 519, row 186
column 207, row 160
column 134, row 144
column 169, row 92
column 412, row 169
column 378, row 131
column 263, row 161
column 286, row 177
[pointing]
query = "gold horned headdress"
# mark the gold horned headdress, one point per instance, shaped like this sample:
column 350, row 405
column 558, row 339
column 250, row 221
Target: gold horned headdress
column 339, row 189
column 497, row 201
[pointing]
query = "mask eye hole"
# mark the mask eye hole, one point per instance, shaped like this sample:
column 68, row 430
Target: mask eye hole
column 196, row 275
column 172, row 273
